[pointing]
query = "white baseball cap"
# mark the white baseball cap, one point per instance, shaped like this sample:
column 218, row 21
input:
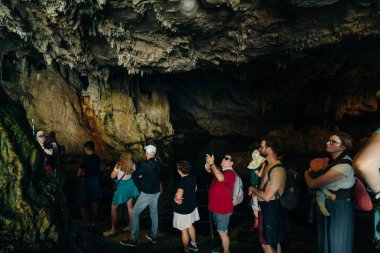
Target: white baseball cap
column 150, row 149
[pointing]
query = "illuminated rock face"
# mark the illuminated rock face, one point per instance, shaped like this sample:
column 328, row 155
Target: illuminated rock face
column 113, row 116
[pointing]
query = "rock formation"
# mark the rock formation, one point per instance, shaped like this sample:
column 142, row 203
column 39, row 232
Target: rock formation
column 34, row 213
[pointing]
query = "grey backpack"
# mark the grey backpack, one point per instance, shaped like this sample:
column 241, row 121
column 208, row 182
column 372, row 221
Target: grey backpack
column 238, row 194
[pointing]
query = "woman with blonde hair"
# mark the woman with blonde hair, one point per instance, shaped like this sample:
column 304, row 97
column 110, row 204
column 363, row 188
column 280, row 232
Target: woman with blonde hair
column 125, row 191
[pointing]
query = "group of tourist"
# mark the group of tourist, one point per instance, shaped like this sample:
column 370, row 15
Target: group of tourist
column 335, row 229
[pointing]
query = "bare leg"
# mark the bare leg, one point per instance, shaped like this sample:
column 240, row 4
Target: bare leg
column 225, row 241
column 84, row 214
column 367, row 162
column 279, row 248
column 192, row 234
column 114, row 216
column 268, row 249
column 185, row 238
column 95, row 210
column 130, row 209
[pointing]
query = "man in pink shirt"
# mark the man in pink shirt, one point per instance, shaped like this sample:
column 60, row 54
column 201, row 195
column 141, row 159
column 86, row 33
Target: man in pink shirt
column 220, row 197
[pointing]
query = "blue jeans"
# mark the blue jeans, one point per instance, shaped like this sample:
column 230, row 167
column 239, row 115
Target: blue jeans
column 142, row 202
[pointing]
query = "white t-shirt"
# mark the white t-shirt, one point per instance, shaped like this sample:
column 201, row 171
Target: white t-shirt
column 348, row 181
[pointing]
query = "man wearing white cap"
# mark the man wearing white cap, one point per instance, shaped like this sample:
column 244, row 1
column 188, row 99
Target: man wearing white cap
column 149, row 175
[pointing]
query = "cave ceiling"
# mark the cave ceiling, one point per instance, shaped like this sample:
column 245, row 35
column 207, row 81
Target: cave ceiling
column 167, row 36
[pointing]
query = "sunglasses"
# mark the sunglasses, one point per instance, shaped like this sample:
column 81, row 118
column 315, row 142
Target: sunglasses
column 227, row 158
column 332, row 142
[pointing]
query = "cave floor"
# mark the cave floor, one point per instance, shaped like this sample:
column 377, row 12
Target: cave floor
column 243, row 238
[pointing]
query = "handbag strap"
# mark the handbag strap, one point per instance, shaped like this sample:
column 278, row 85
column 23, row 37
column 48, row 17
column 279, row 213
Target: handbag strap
column 118, row 181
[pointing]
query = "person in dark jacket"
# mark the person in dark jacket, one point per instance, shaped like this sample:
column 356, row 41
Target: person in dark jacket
column 89, row 191
column 148, row 174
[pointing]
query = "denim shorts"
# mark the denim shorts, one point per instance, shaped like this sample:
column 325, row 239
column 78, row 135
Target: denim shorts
column 222, row 221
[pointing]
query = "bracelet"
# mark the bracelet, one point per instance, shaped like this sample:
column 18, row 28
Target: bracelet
column 211, row 165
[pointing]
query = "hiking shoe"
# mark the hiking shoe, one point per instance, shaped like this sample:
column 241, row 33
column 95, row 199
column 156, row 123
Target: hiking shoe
column 151, row 239
column 109, row 233
column 193, row 247
column 129, row 242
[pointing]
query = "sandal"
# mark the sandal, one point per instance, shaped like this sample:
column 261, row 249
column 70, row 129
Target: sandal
column 126, row 229
column 108, row 233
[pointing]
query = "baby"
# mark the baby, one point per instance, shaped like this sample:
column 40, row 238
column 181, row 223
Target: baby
column 317, row 168
column 255, row 167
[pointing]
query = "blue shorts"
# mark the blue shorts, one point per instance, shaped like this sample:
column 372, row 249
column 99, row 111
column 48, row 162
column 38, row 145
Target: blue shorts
column 222, row 221
column 377, row 131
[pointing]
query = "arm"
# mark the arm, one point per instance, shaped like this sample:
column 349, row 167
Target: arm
column 48, row 150
column 80, row 172
column 214, row 169
column 367, row 163
column 260, row 171
column 327, row 178
column 274, row 185
column 115, row 172
column 178, row 196
column 139, row 171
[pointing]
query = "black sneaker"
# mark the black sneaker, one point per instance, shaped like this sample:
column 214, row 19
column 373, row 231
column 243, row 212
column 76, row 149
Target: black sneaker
column 151, row 239
column 193, row 247
column 129, row 242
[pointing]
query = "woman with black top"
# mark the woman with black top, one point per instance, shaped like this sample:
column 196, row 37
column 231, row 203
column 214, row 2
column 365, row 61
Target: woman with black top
column 335, row 233
column 185, row 207
column 89, row 191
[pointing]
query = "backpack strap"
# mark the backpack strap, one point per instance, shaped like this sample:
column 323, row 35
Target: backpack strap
column 228, row 190
column 337, row 162
column 118, row 181
column 276, row 165
column 271, row 168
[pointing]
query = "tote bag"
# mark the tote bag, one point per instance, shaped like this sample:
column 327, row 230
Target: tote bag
column 362, row 200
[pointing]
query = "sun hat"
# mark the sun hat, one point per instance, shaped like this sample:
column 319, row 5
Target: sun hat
column 257, row 160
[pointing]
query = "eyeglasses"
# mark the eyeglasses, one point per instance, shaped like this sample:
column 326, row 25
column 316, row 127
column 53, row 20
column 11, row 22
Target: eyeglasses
column 227, row 158
column 332, row 142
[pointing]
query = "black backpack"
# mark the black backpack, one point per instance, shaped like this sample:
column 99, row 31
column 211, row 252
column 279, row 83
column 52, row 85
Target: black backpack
column 289, row 199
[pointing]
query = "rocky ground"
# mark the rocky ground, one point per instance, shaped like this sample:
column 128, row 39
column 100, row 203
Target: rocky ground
column 243, row 237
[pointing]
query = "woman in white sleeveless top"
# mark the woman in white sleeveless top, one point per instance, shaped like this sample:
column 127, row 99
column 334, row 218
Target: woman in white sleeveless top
column 126, row 189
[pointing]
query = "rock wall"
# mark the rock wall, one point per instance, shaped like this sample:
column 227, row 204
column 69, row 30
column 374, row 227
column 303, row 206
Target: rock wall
column 33, row 211
column 114, row 114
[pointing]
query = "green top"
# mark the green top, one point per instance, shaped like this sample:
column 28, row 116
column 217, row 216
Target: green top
column 255, row 178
